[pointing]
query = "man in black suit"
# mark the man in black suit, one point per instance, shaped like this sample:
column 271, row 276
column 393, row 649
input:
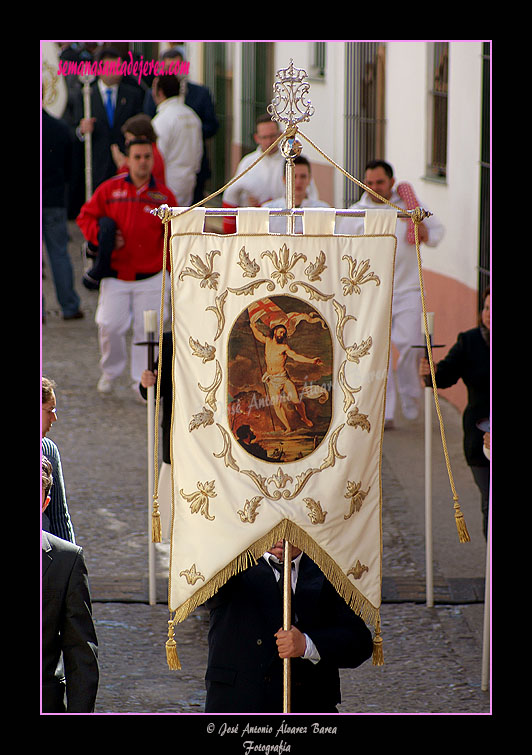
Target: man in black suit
column 246, row 646
column 69, row 643
column 112, row 102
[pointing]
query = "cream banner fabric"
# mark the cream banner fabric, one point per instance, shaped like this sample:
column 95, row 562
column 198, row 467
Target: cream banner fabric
column 281, row 346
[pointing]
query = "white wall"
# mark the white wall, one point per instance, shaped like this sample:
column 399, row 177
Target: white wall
column 455, row 202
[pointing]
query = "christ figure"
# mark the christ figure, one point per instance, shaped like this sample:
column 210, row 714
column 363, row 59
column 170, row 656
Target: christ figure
column 276, row 352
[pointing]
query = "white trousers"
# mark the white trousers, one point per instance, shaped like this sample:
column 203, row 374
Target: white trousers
column 406, row 332
column 121, row 305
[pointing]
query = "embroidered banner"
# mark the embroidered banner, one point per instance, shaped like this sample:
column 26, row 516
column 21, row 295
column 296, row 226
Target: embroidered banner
column 281, row 346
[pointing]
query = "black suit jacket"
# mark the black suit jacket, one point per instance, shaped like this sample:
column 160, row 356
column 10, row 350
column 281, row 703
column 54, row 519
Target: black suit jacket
column 69, row 644
column 469, row 360
column 244, row 671
column 128, row 103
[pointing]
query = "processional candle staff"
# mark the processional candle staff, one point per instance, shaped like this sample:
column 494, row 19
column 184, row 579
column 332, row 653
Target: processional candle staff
column 429, row 578
column 86, row 80
column 289, row 106
column 150, row 327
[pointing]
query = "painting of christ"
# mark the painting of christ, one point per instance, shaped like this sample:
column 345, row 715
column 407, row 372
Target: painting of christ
column 280, row 364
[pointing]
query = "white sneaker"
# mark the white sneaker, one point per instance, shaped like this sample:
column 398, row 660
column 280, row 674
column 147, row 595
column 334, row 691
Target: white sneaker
column 104, row 385
column 410, row 408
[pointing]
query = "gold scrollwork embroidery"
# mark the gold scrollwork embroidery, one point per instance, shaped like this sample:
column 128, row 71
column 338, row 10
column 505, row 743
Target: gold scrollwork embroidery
column 250, row 288
column 204, row 270
column 357, row 570
column 349, row 398
column 316, row 513
column 218, row 310
column 226, row 453
column 312, row 292
column 301, row 479
column 201, row 419
column 249, row 513
column 358, row 275
column 250, row 267
column 192, row 575
column 280, row 478
column 199, row 500
column 314, row 270
column 356, row 419
column 210, row 399
column 356, row 496
column 205, row 353
column 355, row 352
column 283, row 264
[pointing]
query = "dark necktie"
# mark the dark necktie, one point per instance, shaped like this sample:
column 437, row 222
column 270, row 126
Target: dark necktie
column 279, row 567
column 109, row 106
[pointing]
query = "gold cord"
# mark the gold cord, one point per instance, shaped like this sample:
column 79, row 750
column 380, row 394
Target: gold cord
column 460, row 521
column 416, row 217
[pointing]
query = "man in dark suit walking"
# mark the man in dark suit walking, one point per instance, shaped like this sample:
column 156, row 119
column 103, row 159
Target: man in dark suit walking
column 246, row 646
column 112, row 102
column 69, row 643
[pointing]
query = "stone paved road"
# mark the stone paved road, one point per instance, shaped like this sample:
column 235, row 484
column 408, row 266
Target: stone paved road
column 432, row 656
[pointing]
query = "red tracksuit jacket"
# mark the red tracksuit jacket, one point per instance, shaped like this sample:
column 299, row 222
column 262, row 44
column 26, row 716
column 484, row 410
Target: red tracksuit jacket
column 129, row 207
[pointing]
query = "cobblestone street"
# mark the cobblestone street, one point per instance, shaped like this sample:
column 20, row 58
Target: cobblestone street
column 432, row 655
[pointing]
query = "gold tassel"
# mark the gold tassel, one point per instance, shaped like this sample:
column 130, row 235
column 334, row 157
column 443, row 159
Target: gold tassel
column 156, row 535
column 171, row 649
column 378, row 655
column 463, row 534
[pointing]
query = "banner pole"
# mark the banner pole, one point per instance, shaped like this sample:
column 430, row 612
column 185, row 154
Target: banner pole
column 289, row 106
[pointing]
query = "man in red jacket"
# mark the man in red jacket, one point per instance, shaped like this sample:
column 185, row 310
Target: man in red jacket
column 117, row 222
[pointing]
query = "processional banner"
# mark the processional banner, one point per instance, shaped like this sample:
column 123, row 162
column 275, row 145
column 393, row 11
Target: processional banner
column 280, row 361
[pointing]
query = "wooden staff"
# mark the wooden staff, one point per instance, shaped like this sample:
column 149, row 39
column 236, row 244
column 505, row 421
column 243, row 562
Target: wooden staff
column 86, row 81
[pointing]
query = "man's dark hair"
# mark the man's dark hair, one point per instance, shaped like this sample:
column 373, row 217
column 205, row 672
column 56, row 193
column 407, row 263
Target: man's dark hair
column 169, row 85
column 172, row 53
column 139, row 140
column 265, row 119
column 106, row 53
column 380, row 164
column 140, row 126
column 47, row 475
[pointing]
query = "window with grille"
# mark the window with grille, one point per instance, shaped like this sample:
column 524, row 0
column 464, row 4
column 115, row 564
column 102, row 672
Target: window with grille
column 438, row 101
column 364, row 111
column 318, row 60
column 257, row 92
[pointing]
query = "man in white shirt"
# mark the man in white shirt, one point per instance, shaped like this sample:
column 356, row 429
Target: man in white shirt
column 265, row 181
column 302, row 183
column 179, row 138
column 406, row 304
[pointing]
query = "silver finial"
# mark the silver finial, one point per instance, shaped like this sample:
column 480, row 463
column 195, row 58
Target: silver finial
column 289, row 104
